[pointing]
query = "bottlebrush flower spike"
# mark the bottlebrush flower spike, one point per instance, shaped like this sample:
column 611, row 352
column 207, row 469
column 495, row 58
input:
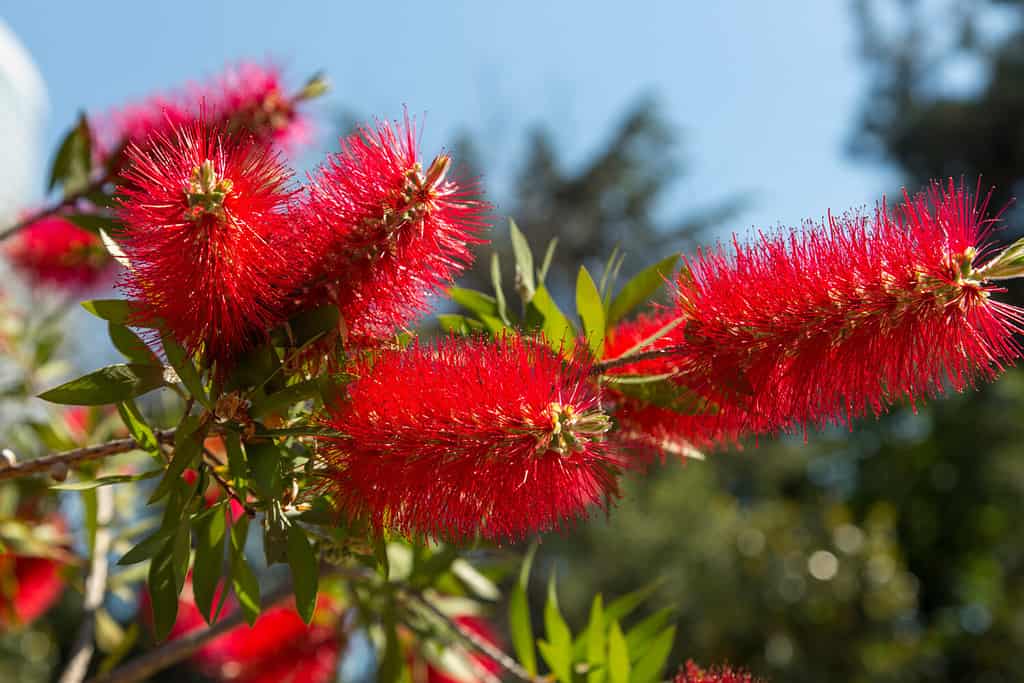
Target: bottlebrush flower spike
column 663, row 416
column 469, row 437
column 390, row 233
column 29, row 586
column 206, row 235
column 692, row 673
column 831, row 324
column 247, row 97
column 54, row 251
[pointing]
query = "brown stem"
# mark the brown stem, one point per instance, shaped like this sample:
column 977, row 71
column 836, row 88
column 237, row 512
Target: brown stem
column 604, row 366
column 228, row 489
column 95, row 590
column 48, row 211
column 78, row 455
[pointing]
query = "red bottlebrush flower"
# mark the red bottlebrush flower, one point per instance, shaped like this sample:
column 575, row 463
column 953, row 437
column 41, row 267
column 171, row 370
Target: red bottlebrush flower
column 279, row 647
column 54, row 251
column 829, row 325
column 247, row 97
column 29, row 586
column 692, row 673
column 484, row 667
column 663, row 416
column 206, row 236
column 469, row 437
column 390, row 233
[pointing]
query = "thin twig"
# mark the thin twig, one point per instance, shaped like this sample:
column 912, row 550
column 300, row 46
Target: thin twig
column 475, row 641
column 95, row 590
column 604, row 366
column 228, row 489
column 173, row 651
column 77, row 455
column 48, row 211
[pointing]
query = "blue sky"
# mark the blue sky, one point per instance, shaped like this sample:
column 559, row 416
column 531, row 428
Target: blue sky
column 764, row 94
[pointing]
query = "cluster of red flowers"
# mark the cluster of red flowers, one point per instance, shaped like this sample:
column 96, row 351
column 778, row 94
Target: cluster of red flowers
column 691, row 673
column 30, row 584
column 279, row 646
column 55, row 252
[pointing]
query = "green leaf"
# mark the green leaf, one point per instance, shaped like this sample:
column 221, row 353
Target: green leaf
column 392, row 663
column 146, row 548
column 557, row 650
column 618, row 655
column 238, row 466
column 305, row 571
column 525, row 282
column 73, row 163
column 591, row 310
column 137, row 427
column 211, row 528
column 641, row 287
column 499, row 291
column 542, row 312
column 280, row 401
column 623, row 606
column 596, row 642
column 163, row 589
column 309, row 324
column 112, row 384
column 638, row 638
column 649, row 667
column 105, row 481
column 519, row 616
column 549, row 255
column 94, row 223
column 130, row 345
column 472, row 300
column 459, row 324
column 186, row 369
column 664, row 393
column 265, row 469
column 188, row 444
column 118, row 311
column 243, row 580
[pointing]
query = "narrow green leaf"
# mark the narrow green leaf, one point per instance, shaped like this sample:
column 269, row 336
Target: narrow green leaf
column 94, row 223
column 623, row 606
column 186, row 369
column 557, row 650
column 591, row 310
column 105, row 481
column 243, row 580
column 392, row 663
column 649, row 667
column 549, row 255
column 596, row 642
column 118, row 311
column 618, row 655
column 264, row 460
column 641, row 287
column 238, row 466
column 90, row 512
column 474, row 301
column 459, row 324
column 211, row 528
column 130, row 345
column 137, row 427
column 73, row 163
column 499, row 291
column 639, row 636
column 112, row 384
column 542, row 312
column 188, row 445
column 114, row 249
column 163, row 589
column 314, row 322
column 281, row 401
column 305, row 571
column 147, row 548
column 525, row 282
column 519, row 616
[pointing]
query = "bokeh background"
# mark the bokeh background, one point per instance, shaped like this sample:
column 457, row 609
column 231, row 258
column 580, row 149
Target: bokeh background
column 892, row 553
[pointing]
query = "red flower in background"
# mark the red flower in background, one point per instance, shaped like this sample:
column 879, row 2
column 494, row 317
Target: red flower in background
column 54, row 251
column 390, row 234
column 29, row 586
column 278, row 648
column 831, row 324
column 469, row 437
column 208, row 238
column 247, row 97
column 692, row 673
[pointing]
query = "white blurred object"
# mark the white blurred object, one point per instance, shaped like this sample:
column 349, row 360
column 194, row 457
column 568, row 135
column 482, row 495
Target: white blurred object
column 23, row 108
